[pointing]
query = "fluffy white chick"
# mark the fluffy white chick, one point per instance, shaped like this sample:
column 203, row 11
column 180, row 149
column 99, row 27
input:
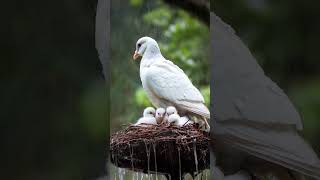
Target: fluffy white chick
column 184, row 120
column 169, row 111
column 173, row 119
column 148, row 117
column 160, row 113
column 176, row 120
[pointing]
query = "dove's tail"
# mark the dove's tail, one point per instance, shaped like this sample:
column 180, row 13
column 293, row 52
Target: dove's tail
column 198, row 109
column 281, row 146
column 207, row 126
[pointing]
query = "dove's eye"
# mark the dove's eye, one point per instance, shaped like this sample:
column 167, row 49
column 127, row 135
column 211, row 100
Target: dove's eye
column 139, row 45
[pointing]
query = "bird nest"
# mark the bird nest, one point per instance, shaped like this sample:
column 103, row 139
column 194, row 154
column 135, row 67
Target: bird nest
column 161, row 149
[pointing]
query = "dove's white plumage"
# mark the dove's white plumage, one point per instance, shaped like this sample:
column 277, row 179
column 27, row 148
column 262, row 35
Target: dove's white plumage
column 165, row 83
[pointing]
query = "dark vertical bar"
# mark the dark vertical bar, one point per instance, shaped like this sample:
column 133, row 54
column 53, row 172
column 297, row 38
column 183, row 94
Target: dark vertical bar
column 212, row 155
column 103, row 48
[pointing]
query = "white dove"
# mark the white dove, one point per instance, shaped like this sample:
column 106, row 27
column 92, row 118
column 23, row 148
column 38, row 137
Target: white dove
column 148, row 117
column 160, row 113
column 166, row 84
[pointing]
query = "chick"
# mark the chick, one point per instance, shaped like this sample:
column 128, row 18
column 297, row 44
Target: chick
column 169, row 111
column 148, row 117
column 160, row 113
column 176, row 120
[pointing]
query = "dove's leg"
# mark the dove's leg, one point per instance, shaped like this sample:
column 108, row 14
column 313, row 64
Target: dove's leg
column 206, row 124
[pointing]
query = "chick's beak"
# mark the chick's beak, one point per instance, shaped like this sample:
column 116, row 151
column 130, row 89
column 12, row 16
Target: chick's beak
column 136, row 55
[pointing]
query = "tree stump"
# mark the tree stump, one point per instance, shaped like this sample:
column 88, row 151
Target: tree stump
column 161, row 149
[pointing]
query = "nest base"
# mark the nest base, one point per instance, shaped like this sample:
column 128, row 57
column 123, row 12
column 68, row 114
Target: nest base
column 161, row 149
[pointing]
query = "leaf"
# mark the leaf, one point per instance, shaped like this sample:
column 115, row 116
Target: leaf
column 142, row 98
column 136, row 3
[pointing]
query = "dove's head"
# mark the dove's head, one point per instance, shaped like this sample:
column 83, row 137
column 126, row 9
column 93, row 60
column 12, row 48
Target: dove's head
column 171, row 110
column 160, row 114
column 149, row 112
column 146, row 46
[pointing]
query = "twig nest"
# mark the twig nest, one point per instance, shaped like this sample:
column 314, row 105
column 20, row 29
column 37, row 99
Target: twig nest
column 161, row 149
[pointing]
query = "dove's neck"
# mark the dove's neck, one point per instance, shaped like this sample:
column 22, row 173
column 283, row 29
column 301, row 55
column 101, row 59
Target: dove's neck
column 151, row 55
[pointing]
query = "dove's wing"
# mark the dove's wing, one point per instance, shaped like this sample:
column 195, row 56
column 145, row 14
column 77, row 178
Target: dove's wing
column 241, row 89
column 252, row 113
column 167, row 81
column 281, row 146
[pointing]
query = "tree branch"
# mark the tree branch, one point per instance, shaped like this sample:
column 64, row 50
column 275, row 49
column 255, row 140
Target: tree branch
column 198, row 8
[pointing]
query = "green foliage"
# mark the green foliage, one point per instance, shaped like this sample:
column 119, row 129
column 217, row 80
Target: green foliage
column 305, row 96
column 205, row 91
column 160, row 17
column 136, row 2
column 142, row 98
column 93, row 107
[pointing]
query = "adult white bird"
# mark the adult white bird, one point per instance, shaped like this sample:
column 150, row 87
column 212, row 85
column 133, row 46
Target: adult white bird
column 160, row 113
column 148, row 117
column 166, row 84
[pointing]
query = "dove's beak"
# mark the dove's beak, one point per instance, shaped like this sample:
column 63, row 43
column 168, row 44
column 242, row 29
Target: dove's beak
column 136, row 55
